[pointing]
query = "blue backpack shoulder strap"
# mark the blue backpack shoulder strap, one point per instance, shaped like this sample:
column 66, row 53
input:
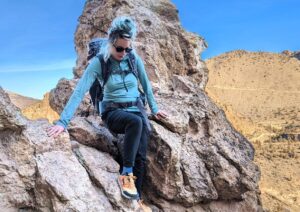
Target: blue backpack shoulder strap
column 104, row 68
column 106, row 71
column 133, row 65
column 134, row 69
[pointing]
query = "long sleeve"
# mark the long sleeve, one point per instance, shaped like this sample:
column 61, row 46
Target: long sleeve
column 92, row 71
column 146, row 85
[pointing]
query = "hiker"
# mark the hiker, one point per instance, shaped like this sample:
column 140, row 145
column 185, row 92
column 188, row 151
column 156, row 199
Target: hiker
column 121, row 108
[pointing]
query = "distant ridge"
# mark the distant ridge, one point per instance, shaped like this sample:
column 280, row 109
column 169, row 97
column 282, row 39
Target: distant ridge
column 20, row 101
column 33, row 108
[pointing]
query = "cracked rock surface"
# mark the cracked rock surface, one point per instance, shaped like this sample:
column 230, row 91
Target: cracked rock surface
column 199, row 163
column 196, row 160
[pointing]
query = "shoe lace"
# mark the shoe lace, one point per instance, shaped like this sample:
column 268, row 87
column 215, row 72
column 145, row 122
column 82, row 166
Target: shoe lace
column 128, row 181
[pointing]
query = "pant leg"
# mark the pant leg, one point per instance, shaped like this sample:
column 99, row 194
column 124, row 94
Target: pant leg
column 140, row 160
column 131, row 124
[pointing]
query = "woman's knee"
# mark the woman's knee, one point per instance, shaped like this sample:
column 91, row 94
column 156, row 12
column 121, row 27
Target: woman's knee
column 136, row 122
column 110, row 117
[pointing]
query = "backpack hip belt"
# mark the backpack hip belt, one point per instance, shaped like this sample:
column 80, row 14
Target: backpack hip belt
column 109, row 106
column 121, row 104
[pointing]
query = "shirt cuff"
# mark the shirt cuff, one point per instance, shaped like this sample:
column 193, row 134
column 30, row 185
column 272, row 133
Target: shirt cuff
column 60, row 123
column 154, row 111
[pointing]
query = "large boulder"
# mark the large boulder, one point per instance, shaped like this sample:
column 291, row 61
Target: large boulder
column 209, row 161
column 40, row 173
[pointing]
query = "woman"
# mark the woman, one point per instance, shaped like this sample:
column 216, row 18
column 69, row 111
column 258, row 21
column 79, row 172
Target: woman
column 121, row 87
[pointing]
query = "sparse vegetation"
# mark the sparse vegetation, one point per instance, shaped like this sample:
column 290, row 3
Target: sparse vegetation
column 257, row 92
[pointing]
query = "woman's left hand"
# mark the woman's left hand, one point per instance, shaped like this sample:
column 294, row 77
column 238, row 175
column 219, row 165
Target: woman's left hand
column 161, row 115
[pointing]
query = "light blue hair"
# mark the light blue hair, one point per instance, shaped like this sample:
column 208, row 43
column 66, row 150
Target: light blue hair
column 121, row 27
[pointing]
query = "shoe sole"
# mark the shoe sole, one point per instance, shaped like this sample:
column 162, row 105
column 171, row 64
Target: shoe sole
column 124, row 194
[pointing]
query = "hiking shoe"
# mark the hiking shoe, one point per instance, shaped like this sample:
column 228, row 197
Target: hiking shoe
column 143, row 207
column 127, row 186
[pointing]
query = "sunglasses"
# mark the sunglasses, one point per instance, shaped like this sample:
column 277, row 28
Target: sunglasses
column 121, row 49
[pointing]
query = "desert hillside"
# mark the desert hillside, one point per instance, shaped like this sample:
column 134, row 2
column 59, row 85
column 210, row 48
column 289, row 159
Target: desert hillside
column 34, row 108
column 260, row 90
column 21, row 101
column 260, row 95
column 41, row 109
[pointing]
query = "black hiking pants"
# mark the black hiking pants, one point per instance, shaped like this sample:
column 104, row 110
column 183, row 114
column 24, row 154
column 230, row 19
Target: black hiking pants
column 133, row 125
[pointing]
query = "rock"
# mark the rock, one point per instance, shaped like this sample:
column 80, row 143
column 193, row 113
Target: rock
column 92, row 134
column 249, row 203
column 178, row 112
column 203, row 164
column 183, row 84
column 196, row 160
column 41, row 173
column 13, row 189
column 10, row 116
column 36, row 131
column 295, row 54
column 60, row 95
column 68, row 184
column 104, row 170
column 163, row 162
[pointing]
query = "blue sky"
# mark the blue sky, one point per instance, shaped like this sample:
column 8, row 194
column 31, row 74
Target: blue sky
column 37, row 44
column 37, row 37
column 256, row 25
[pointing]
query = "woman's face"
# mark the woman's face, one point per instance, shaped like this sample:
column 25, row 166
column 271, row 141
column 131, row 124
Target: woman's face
column 123, row 43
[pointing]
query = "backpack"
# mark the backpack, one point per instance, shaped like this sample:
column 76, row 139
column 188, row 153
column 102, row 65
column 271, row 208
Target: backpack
column 96, row 90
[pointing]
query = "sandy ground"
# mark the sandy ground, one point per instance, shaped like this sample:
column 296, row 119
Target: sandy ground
column 280, row 175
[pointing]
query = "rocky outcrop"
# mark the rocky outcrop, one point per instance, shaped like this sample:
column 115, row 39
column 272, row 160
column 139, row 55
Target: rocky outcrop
column 59, row 97
column 196, row 160
column 295, row 54
column 166, row 48
column 43, row 174
column 204, row 163
column 161, row 41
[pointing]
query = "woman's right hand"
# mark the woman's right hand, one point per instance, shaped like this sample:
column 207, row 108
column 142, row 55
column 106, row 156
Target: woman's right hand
column 55, row 130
